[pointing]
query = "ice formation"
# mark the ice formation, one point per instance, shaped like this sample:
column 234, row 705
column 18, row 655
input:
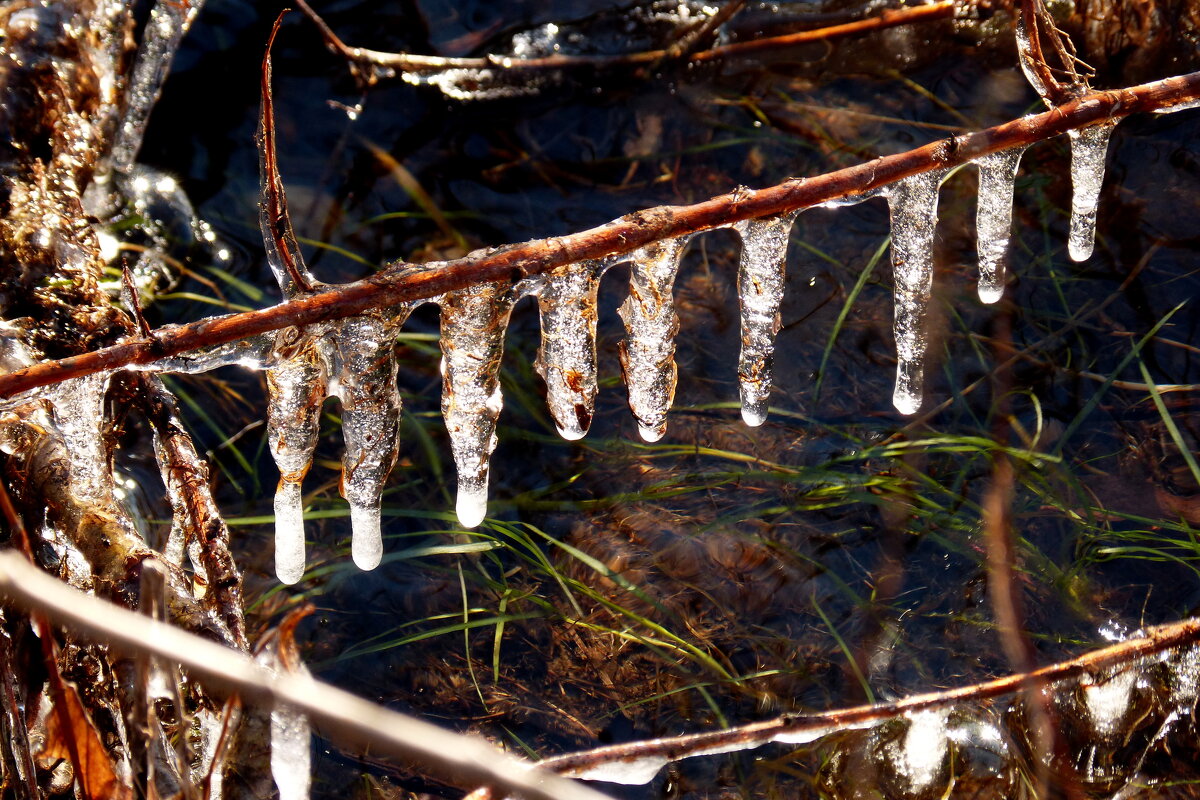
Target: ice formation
column 913, row 206
column 993, row 218
column 567, row 358
column 648, row 350
column 1089, row 147
column 760, row 291
column 473, row 324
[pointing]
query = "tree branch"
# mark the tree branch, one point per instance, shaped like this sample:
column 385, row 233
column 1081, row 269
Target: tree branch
column 402, row 283
column 464, row 760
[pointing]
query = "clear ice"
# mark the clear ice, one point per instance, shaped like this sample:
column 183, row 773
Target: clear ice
column 168, row 23
column 913, row 206
column 1089, row 147
column 364, row 372
column 760, row 291
column 566, row 359
column 296, row 390
column 993, row 218
column 291, row 753
column 473, row 324
column 648, row 350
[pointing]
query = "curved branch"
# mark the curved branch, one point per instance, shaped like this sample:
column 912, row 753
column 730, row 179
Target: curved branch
column 403, row 283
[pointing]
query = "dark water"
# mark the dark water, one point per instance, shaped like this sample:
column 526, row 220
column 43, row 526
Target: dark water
column 833, row 555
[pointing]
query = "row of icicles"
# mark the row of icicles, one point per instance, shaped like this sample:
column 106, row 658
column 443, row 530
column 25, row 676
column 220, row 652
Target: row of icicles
column 354, row 359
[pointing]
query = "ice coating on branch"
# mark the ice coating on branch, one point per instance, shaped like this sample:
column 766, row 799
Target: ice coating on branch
column 912, row 203
column 363, row 373
column 78, row 407
column 473, row 325
column 168, row 22
column 993, row 218
column 296, row 390
column 566, row 359
column 631, row 772
column 648, row 350
column 920, row 756
column 1089, row 146
column 760, row 291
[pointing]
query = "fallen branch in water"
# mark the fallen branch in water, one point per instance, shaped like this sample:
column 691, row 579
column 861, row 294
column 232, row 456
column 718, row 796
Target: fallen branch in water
column 607, row 763
column 402, row 283
column 382, row 64
column 464, row 761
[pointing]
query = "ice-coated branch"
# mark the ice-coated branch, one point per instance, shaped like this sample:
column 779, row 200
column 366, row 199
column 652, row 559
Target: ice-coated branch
column 638, row 762
column 376, row 64
column 402, row 283
column 464, row 761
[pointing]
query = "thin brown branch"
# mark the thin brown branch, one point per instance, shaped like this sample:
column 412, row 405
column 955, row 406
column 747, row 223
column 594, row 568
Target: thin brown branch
column 808, row 727
column 276, row 224
column 196, row 512
column 401, row 283
column 465, row 761
column 375, row 60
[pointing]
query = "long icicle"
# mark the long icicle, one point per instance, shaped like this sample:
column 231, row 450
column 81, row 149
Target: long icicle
column 913, row 206
column 567, row 357
column 295, row 392
column 474, row 321
column 648, row 350
column 365, row 380
column 1089, row 148
column 761, row 275
column 993, row 218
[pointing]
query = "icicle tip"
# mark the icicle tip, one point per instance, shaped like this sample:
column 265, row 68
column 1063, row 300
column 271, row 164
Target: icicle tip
column 471, row 507
column 289, row 533
column 366, row 542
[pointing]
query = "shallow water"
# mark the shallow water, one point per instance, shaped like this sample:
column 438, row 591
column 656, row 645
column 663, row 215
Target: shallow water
column 832, row 555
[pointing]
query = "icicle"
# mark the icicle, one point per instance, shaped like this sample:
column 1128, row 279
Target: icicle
column 1089, row 147
column 296, row 389
column 760, row 291
column 169, row 21
column 648, row 351
column 365, row 378
column 473, row 325
column 913, row 206
column 993, row 218
column 566, row 359
column 291, row 753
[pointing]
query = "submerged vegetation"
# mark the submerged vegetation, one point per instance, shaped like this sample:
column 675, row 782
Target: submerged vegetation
column 666, row 574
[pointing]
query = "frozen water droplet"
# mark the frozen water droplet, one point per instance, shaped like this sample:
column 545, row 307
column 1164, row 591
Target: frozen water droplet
column 365, row 371
column 567, row 357
column 473, row 325
column 1089, row 147
column 993, row 218
column 913, row 206
column 289, row 532
column 648, row 350
column 760, row 291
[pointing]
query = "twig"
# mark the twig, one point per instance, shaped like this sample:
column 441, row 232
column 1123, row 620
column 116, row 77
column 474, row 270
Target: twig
column 466, row 761
column 401, row 283
column 415, row 64
column 800, row 728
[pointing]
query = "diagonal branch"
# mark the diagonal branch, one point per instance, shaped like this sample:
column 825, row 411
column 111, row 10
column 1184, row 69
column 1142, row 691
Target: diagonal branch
column 402, row 283
column 465, row 761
